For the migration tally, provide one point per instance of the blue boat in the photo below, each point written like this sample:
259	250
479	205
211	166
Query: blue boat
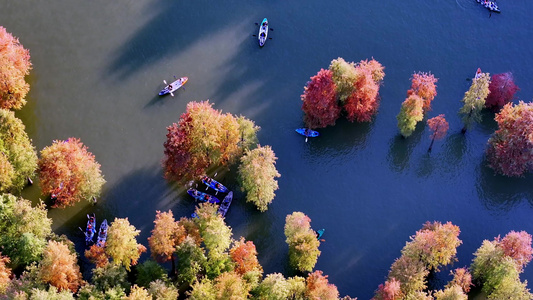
307	132
102	234
91	229
226	202
490	5
174	86
217	186
319	233
203	197
263	32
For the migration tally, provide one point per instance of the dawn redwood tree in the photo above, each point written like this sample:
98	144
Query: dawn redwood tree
230	285
202	290
138	293
5	273
247	133
257	174
502	90
411	112
320	105
96	255
302	241
122	244
344	75
190	229
474	100
59	267
14	66
18	158
517	245
69	173
163	291
191	262
163	240
510	149
273	287
411	273
318	287
390	290
423	85
438	127
244	255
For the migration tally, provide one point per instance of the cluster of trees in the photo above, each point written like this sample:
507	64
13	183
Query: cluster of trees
346	87
302	241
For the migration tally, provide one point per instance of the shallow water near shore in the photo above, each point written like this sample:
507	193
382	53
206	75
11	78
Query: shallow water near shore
98	65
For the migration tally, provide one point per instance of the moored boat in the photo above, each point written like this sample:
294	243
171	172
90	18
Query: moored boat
307	132
91	229
171	88
226	202
490	5
203	197
102	234
263	32
217	186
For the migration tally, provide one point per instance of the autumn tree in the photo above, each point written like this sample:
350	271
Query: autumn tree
390	290
411	112
302	241
204	137
474	100
59	267
502	90
23	229
438	127
149	271
162	291
424	86
214	231
248	133
411	273
320	105
18	159
138	293
230	285
273	287
163	240
244	254
5	273
69	173
96	255
257	174
110	279
318	287
517	245
122	245
191	262
202	290
510	149
14	66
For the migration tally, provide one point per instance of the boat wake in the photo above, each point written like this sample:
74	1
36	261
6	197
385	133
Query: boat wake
457	1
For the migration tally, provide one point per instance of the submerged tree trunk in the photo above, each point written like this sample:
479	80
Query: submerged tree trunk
431	145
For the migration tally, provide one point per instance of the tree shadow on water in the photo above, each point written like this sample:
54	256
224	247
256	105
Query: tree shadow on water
342	137
401	148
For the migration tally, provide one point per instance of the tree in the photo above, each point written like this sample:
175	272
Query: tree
59	267
302	241
438	126
363	102
23	229
202	290
423	85
162	291
230	285
412	112
257	174
390	290
344	75
318	287
273	287
474	100
121	243
461	278
248	133
502	90
69	173
204	137
14	66
5	273
149	271
138	293
163	240
18	159
97	256
110	278
214	231
411	273
510	150
320	105
517	245
191	261
297	287
244	254
453	292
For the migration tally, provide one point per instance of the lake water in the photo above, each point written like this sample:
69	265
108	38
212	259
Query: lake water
98	66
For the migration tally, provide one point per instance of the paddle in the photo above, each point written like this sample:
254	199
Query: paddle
83	231
306	139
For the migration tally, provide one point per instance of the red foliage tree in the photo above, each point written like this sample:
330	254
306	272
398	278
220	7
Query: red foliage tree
244	255
363	103
5	273
162	242
510	150
423	85
438	126
97	256
318	287
14	66
320	101
390	290
517	245
502	90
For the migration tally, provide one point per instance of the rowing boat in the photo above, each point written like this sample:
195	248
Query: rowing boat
102	234
319	233
226	202
203	197
217	186
91	229
490	5
307	132
263	32
174	86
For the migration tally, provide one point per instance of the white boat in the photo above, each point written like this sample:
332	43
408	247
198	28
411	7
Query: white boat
263	32
171	88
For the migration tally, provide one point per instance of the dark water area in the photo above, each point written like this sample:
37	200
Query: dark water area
98	65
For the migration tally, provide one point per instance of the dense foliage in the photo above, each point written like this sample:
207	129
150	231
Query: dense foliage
510	149
438	127
69	173
122	244
302	241
59	267
18	159
320	101
14	66
257	175
474	100
163	240
502	90
411	112
424	86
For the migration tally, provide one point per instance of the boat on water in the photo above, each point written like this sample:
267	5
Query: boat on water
217	186
478	73
102	234
203	197
307	132
490	5
263	32
91	229
226	202
319	233
174	86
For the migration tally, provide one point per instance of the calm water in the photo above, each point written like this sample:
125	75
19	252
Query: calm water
98	66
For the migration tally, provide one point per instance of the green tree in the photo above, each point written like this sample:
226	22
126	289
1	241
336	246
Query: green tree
149	271
214	231
343	75
138	293
163	291
248	133
202	290
411	112
273	287
257	174
302	241
122	245
18	159
14	66
69	173
191	261
51	294
59	267
297	287
112	278
474	100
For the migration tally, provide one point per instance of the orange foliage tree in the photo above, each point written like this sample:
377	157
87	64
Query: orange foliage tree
423	85
5	273
162	242
318	287
230	285
438	127
122	245
244	254
502	90
320	105
59	267
69	173
97	256
510	150
390	290
14	66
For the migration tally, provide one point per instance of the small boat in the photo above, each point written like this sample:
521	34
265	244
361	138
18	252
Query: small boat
490	5
91	229
478	73
226	202
217	186
171	88
102	234
203	197
307	132
319	233
263	32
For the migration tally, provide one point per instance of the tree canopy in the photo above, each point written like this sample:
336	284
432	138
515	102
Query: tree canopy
122	244
502	90
59	267
302	241
474	100
438	127
163	240
424	86
320	105
411	112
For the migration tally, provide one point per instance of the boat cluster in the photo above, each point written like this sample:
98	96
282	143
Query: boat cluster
490	5
90	231
218	188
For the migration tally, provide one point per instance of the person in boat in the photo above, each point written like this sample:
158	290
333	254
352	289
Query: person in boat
307	132
169	87
218	185
262	34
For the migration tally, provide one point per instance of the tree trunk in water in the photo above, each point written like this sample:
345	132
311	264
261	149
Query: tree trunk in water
431	145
